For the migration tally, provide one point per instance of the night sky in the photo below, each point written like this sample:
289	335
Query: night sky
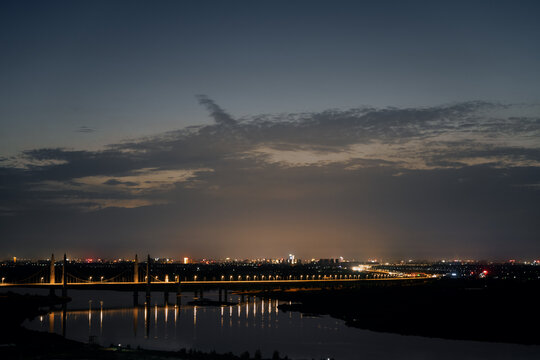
376	129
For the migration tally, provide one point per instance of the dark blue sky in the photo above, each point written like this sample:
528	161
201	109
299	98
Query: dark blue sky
83	84
129	68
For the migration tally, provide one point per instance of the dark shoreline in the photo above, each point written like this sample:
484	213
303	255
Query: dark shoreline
32	344
15	308
478	310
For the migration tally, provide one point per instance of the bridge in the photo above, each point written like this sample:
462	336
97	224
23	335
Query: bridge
176	284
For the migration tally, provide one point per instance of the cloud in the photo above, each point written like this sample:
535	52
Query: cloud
445	137
459	174
86	129
217	113
140	187
117	182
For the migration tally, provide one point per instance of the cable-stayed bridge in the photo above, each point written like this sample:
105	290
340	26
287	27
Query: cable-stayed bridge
140	278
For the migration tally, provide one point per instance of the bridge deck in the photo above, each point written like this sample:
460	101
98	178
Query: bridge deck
212	284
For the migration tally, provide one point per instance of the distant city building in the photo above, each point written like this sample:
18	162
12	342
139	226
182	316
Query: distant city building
291	259
329	261
361	267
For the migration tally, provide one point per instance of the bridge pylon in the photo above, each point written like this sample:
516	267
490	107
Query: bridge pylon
136	280
136	270
52	274
148	277
64	277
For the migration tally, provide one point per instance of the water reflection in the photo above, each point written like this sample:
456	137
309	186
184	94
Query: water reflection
89	317
64	318
135	320
157	326
254	324
146	320
101	318
51	322
155	322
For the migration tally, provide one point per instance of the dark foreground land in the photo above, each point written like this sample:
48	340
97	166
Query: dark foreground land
44	346
481	310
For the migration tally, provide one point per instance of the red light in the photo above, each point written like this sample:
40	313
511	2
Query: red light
485	272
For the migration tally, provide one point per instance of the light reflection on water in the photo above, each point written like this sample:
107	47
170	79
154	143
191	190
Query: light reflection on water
254	324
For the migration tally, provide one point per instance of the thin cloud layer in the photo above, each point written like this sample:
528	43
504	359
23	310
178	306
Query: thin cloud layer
86	129
445	137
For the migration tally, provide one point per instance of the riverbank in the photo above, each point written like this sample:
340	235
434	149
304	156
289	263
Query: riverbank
15	308
493	311
36	345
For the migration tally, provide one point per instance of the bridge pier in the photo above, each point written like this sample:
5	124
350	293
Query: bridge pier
148	296
178	294
219	295
135	298
136	270
64	316
166	297
64	277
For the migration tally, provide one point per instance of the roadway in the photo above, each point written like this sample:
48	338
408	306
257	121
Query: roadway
192	285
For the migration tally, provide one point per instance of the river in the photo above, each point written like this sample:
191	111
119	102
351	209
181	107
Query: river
108	317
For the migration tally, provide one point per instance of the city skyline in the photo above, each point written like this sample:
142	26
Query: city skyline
280	260
387	130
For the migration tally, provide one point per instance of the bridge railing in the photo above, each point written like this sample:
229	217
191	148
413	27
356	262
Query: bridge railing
127	275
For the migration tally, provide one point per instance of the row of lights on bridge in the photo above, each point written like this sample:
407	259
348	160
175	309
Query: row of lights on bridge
247	277
231	277
275	277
